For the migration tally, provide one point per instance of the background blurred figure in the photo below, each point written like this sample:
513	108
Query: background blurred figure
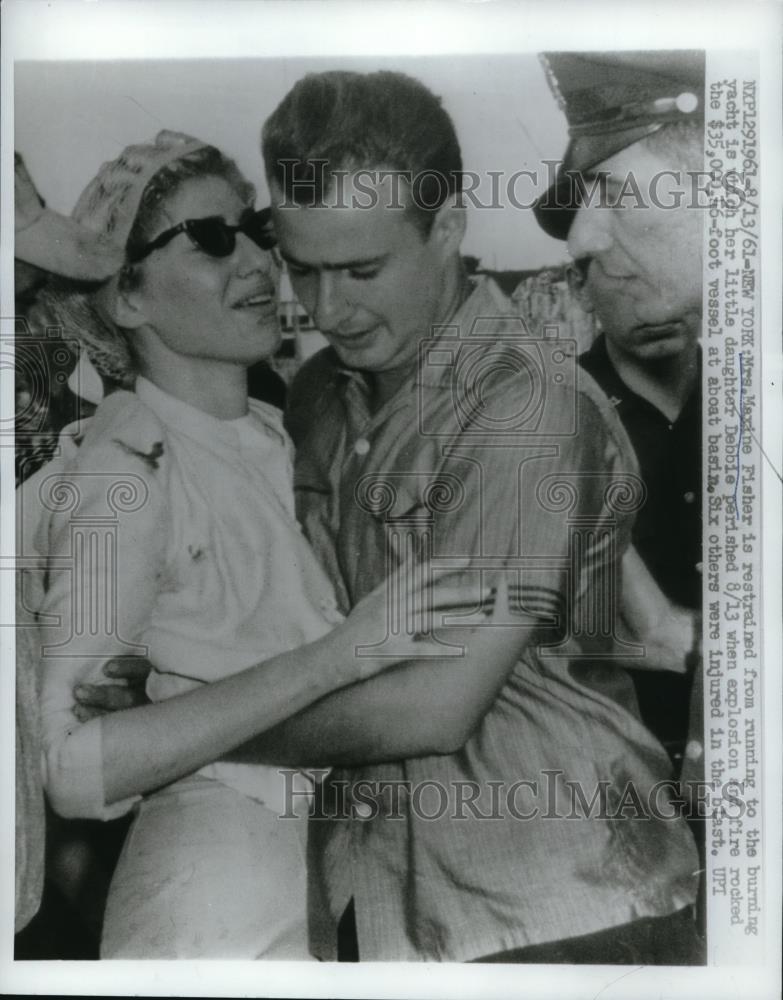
45	243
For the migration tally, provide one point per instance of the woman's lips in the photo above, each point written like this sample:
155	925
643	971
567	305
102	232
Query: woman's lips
259	297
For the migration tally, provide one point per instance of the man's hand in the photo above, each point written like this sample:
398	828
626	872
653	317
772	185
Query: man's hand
666	630
93	700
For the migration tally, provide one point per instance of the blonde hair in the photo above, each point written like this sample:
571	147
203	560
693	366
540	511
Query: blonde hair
76	311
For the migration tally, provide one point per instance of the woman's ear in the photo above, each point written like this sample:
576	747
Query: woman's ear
126	305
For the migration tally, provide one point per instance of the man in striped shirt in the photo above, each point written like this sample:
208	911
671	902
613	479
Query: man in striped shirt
504	804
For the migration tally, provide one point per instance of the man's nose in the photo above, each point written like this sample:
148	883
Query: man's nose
331	305
590	233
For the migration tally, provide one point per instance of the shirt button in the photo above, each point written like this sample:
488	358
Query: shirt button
694	750
689	497
362	446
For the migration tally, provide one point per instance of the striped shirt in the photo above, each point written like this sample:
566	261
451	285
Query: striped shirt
495	450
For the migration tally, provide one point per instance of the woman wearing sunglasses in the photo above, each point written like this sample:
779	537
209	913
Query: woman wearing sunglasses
201	566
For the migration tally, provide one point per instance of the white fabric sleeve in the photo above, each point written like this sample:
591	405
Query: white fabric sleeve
72	766
105	556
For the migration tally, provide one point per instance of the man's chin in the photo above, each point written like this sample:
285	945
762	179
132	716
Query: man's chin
661	340
370	358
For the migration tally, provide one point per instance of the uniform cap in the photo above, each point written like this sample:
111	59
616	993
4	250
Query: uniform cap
612	100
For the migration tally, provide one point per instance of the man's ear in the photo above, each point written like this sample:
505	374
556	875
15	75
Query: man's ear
577	286
448	227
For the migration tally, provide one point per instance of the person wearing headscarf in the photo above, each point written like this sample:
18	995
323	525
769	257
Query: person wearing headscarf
170	532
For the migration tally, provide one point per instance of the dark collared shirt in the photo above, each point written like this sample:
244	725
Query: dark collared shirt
668	528
458	885
667	532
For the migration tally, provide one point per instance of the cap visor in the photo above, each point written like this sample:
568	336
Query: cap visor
557	206
60	245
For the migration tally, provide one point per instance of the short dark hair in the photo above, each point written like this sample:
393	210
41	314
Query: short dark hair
339	120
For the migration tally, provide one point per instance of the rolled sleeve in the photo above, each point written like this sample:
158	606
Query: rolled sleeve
73	774
106	551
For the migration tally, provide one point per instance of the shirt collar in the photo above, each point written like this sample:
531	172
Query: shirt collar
596	362
181	416
481	315
486	301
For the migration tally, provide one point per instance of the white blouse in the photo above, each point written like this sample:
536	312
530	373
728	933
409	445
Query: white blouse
171	534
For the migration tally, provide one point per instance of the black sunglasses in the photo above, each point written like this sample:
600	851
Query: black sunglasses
212	235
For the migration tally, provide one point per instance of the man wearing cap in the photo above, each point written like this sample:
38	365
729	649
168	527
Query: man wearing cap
45	243
624	198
